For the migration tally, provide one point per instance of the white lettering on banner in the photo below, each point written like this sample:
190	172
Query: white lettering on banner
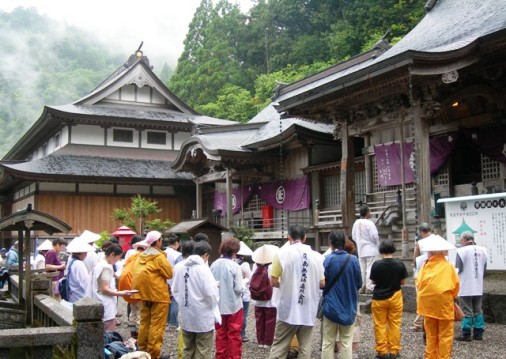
280	194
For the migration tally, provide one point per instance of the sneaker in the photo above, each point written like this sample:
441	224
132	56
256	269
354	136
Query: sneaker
245	340
393	356
478	337
416	328
464	338
382	356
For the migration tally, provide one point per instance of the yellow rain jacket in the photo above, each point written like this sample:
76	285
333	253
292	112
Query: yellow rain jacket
149	276
438	286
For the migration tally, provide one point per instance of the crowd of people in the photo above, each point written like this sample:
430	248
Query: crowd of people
172	286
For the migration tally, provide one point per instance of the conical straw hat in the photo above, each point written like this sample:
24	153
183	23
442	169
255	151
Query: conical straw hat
434	243
264	254
244	250
79	245
45	246
89	236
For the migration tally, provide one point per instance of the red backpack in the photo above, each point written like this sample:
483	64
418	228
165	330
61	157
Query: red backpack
260	285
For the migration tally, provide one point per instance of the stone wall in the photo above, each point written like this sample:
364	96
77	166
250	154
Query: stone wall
11	318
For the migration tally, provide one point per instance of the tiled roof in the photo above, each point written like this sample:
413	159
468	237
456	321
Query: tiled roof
137	113
66	163
276	128
452	25
449	25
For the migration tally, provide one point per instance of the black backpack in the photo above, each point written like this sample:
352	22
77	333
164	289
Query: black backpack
260	285
114	343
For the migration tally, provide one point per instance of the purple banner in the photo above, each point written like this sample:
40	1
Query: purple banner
440	149
290	195
240	197
388	164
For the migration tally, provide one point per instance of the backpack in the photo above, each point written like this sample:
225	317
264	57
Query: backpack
260	285
64	285
114	344
125	279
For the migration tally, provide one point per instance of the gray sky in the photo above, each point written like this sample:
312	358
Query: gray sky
161	24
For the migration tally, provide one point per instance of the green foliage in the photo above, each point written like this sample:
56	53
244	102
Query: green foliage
242	233
104	236
159	225
44	62
230	65
140	208
227	54
233	103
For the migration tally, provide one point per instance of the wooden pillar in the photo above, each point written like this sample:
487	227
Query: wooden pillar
198	199
28	273
422	165
347	180
315	194
368	166
230	216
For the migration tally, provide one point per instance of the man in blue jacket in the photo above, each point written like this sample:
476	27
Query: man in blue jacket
341	297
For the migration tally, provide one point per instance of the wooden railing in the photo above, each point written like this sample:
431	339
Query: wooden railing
55	330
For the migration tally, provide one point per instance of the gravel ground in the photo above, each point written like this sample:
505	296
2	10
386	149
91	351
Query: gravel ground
492	347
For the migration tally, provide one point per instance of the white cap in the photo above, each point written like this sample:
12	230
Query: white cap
142	244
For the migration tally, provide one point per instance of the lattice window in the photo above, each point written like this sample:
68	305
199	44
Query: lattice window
442	177
490	169
375	182
331	191
255	204
360	187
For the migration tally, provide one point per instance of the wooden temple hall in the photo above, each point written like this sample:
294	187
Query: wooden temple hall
396	127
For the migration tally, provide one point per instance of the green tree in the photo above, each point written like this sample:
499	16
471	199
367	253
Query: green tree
139	210
244	234
233	103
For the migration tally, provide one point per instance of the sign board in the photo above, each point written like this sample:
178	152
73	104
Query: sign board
484	216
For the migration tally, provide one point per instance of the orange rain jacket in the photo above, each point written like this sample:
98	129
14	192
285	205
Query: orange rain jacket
438	286
149	276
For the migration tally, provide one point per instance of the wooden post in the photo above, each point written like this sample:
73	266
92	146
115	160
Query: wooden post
367	166
28	273
422	165
229	192
198	199
347	180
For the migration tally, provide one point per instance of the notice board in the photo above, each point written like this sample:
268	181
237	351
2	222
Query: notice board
484	216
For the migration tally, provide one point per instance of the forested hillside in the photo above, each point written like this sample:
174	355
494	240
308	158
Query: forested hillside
231	61
44	63
229	67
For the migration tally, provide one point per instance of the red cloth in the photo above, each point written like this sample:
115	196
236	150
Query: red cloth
265	324
228	336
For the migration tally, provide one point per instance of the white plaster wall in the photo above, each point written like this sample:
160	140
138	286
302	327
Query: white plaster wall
167	190
87	135
57	187
96	188
179	138
127	189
